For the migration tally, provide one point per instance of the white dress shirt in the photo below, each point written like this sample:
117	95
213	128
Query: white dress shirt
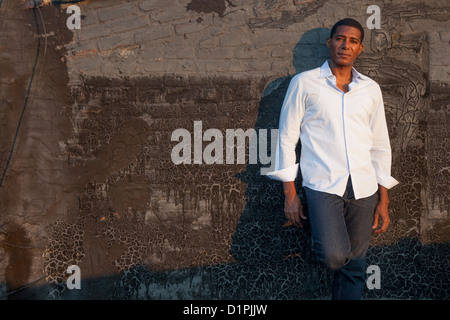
341	134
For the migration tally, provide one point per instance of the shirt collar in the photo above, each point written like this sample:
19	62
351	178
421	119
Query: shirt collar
325	71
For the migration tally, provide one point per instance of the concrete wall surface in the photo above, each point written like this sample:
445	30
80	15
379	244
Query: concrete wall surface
96	118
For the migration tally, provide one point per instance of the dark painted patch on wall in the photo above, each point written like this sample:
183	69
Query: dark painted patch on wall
209	6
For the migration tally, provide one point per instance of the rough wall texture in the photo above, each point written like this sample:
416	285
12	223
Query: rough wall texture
91	180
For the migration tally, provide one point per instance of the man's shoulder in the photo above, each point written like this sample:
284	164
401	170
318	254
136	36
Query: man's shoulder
367	83
307	75
368	79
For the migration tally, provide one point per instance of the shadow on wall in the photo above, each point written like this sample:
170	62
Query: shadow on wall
260	232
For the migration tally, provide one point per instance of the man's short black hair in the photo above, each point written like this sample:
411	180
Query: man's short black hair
349	22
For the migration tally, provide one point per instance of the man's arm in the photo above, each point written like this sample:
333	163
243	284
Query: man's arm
381	211
381	160
293	209
286	168
381	147
291	114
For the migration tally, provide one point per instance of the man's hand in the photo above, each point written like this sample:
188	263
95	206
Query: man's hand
293	209
381	212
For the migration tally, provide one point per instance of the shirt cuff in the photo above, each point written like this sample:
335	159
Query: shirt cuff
387	181
284	175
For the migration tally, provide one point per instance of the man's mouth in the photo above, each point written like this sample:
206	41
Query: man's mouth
343	55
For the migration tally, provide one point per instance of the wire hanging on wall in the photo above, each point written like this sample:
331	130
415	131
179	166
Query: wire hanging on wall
30	84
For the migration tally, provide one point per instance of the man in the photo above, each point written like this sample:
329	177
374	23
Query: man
338	115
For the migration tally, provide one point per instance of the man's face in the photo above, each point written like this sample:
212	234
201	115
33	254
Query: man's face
345	46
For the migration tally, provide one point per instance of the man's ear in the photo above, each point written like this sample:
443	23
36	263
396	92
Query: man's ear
329	43
360	49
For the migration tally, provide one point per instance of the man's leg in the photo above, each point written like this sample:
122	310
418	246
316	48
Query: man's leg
341	235
329	232
349	281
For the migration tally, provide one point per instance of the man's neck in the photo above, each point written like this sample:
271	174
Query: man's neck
342	73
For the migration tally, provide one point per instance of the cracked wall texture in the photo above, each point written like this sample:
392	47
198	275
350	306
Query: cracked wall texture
91	181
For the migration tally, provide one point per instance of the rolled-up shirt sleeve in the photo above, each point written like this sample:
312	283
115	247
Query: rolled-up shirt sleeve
292	110
381	149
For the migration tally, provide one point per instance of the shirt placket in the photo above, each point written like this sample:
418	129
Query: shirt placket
345	132
344	129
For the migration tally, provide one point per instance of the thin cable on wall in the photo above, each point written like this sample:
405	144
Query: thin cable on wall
1	21
29	86
23	111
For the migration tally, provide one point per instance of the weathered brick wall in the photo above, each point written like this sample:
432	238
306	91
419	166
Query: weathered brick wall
92	180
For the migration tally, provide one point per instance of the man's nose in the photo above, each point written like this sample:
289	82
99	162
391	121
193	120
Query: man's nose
345	44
